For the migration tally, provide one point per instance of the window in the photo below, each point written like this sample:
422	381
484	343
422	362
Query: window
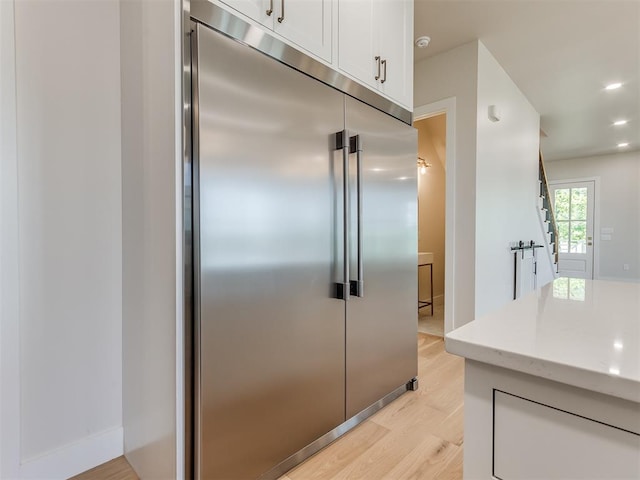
571	218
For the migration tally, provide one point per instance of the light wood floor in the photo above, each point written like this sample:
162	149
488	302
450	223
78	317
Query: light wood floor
416	437
118	469
432	324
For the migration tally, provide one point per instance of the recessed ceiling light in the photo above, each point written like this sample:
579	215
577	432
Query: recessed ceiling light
614	371
620	122
623	144
613	86
618	345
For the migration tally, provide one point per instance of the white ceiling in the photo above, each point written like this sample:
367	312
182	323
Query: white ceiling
561	54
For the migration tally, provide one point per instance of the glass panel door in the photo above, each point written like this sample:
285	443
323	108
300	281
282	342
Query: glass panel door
573	207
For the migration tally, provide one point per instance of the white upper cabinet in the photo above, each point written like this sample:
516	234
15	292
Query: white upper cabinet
375	45
254	9
358	41
307	23
395	28
374	38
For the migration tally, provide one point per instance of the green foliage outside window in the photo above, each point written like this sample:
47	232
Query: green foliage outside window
571	215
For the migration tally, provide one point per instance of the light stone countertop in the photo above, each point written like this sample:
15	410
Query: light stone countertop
584	333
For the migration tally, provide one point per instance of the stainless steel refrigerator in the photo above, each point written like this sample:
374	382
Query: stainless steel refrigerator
304	257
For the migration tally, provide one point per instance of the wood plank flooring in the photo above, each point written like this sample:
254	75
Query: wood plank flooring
117	469
417	437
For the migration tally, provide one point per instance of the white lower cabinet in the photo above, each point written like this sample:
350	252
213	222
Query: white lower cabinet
532	440
523	427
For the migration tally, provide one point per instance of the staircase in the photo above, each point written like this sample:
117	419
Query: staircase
547	216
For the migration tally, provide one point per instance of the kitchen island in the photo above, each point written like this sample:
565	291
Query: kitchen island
552	384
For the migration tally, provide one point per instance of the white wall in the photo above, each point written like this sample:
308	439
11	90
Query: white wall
68	199
151	116
506	182
447	75
617	206
494	170
9	308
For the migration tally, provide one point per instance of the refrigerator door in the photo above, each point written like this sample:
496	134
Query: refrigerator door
270	375
382	322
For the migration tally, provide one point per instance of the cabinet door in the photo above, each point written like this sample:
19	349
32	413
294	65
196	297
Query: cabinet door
532	440
395	29
357	40
254	9
307	23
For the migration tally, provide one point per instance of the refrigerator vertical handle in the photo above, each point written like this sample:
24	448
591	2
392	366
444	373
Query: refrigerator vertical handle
342	143
357	286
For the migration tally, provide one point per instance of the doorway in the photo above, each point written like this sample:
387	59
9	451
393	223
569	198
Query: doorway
432	152
573	204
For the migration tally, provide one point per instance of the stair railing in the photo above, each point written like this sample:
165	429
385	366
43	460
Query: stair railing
548	205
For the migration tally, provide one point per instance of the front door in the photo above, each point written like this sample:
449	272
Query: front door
573	207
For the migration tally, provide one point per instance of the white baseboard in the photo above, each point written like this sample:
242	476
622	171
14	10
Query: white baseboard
75	458
614	279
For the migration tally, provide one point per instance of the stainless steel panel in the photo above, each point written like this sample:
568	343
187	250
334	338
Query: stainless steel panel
382	325
187	253
271	337
215	17
333	435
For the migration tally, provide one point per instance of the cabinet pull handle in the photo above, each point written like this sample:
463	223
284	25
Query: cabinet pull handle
281	17
384	71
270	11
377	59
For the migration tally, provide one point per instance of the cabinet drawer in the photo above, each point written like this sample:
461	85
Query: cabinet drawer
535	441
